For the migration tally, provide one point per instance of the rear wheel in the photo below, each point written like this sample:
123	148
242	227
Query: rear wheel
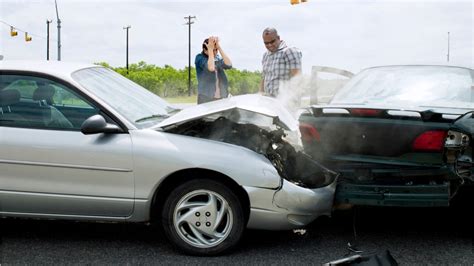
203	217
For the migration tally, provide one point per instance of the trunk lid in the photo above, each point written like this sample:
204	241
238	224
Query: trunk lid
375	134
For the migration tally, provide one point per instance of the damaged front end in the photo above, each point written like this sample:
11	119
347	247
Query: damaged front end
259	124
292	165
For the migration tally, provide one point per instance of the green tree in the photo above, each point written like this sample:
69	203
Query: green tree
167	81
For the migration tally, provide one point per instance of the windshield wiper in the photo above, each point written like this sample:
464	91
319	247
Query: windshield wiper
151	117
172	110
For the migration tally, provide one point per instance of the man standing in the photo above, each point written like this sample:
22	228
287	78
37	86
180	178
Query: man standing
212	81
280	63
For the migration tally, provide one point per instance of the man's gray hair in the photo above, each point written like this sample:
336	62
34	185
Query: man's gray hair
270	31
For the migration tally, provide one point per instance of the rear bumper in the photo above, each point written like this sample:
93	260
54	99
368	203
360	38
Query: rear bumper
393	195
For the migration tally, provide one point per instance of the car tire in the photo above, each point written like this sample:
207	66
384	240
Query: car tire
203	217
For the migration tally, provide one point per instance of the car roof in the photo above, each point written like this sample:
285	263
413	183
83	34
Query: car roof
55	68
408	66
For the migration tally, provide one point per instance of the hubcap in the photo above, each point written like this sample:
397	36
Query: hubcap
203	218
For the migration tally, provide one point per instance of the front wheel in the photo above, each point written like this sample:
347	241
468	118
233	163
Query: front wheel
203	217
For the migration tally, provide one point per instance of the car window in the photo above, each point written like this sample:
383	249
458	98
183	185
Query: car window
135	103
36	102
423	86
24	86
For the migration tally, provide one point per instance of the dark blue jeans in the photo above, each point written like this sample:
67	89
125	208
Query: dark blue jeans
205	99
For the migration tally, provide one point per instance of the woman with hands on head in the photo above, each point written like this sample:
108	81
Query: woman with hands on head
210	66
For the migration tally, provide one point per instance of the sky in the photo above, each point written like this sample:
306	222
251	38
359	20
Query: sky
350	35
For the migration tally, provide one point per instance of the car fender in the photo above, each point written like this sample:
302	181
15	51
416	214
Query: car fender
158	154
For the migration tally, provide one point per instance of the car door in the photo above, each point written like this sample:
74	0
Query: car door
47	166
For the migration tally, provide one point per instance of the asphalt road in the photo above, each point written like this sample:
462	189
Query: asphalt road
412	235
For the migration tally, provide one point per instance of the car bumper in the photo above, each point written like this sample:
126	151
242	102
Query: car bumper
429	195
289	207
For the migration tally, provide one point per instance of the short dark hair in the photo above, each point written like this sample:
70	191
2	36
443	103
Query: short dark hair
204	47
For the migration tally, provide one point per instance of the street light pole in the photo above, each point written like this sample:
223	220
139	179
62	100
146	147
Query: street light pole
189	22
127	28
448	47
59	31
47	38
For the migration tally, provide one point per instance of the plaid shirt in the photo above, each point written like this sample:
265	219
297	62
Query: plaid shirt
277	66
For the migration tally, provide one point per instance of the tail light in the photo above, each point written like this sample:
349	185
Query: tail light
430	141
365	112
309	133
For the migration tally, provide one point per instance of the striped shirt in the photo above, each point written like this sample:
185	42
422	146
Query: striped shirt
277	66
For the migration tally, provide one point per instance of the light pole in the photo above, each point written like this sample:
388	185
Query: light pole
189	22
47	38
448	47
59	31
127	28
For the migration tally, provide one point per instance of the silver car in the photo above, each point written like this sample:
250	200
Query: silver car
82	142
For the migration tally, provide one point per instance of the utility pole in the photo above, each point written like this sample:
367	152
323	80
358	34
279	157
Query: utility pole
126	60
59	31
189	22
47	38
448	47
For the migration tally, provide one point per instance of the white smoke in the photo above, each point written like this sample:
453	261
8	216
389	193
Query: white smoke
292	91
303	90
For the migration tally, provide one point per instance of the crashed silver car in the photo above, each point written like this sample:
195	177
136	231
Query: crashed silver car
82	142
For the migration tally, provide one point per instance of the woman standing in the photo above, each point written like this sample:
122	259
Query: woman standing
210	66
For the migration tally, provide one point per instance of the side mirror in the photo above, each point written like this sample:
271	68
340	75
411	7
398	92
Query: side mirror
97	124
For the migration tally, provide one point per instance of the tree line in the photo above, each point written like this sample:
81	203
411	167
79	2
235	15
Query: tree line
167	81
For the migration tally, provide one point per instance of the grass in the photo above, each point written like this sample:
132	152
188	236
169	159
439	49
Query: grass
182	99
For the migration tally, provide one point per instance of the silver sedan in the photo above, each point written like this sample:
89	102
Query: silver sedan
82	142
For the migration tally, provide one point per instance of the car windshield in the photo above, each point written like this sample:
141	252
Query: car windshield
419	86
135	103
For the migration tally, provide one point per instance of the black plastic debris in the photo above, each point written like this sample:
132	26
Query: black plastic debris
379	259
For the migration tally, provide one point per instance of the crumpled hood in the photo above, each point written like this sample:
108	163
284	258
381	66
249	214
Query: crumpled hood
254	109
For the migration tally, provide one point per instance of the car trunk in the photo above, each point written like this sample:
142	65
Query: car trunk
375	135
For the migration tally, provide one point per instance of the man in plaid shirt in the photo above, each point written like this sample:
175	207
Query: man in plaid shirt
280	63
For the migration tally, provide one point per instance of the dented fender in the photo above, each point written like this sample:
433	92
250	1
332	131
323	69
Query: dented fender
304	201
289	207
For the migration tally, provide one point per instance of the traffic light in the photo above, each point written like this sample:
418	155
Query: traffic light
13	32
27	38
295	2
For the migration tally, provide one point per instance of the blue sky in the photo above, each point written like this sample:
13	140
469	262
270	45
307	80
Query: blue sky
345	34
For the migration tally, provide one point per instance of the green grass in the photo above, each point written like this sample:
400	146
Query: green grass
182	99
72	102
